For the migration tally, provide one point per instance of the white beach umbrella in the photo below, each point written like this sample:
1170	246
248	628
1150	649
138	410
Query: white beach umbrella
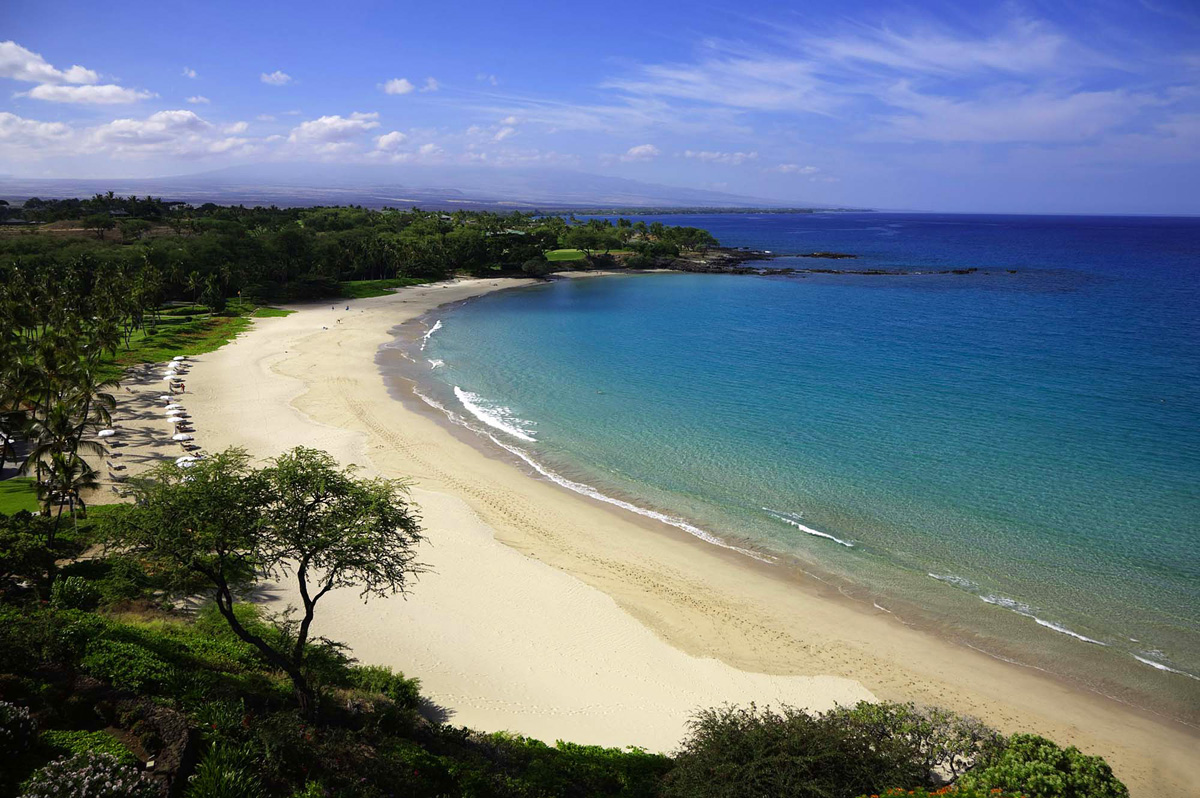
166	397
178	358
187	458
174	406
174	411
188	464
181	436
107	433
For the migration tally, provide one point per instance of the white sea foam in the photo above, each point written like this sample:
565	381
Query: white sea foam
1166	668
1024	609
794	520
1064	630
433	364
951	579
437	325
590	492
498	417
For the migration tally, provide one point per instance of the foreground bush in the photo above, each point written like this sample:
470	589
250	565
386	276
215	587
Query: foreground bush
89	775
735	752
1036	767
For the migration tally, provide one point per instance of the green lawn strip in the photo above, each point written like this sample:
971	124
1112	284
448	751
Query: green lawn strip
177	335
362	289
17	494
564	254
269	312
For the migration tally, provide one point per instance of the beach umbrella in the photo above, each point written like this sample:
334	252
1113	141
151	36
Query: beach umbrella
107	433
178	358
166	397
173	411
176	420
175	406
181	436
187	458
188	464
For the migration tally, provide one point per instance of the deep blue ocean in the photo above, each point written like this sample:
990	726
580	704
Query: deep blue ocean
1010	456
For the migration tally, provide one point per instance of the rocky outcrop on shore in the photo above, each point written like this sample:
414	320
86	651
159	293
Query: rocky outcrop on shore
725	260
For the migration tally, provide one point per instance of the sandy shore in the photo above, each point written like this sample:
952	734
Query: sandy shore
563	618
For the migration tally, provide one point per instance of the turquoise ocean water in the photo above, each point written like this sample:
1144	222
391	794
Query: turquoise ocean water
1012	459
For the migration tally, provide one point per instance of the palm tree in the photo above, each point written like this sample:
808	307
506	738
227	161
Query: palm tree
69	475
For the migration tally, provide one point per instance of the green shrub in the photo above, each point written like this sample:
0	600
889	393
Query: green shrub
70	743
380	679
537	267
128	666
733	752
1036	767
73	593
17	730
89	775
943	742
226	772
640	262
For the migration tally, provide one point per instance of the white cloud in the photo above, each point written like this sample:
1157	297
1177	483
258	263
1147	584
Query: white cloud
236	127
510	120
107	94
155	129
265	118
276	78
504	132
334	133
491	80
23	133
199	99
1022	46
730	158
1006	117
390	141
18	63
397	86
188	72
431	84
642	152
429	149
793	169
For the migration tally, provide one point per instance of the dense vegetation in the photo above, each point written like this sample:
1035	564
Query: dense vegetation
131	661
212	253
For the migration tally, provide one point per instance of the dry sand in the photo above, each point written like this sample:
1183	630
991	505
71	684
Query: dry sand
563	618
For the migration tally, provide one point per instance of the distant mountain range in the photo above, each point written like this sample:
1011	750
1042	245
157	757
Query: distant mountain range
483	188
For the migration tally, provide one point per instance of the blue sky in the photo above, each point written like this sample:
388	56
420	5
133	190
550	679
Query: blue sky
1037	106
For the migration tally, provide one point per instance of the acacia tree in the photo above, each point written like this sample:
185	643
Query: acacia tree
221	524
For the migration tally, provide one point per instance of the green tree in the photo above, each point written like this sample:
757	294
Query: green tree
1038	768
222	524
99	223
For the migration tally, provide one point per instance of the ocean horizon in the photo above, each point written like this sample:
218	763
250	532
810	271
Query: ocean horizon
1010	457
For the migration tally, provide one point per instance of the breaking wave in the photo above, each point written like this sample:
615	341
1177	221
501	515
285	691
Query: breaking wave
794	520
497	417
437	325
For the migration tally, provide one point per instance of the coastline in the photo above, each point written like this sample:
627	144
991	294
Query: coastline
672	623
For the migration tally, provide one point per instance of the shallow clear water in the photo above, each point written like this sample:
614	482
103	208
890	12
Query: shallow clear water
1030	439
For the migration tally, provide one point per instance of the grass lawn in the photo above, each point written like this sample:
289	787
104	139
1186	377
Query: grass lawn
179	331
362	289
17	494
564	254
269	313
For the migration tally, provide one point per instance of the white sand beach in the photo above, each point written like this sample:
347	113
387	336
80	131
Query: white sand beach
559	617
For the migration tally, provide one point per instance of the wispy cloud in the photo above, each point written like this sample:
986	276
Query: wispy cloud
199	99
276	78
105	94
188	72
713	156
